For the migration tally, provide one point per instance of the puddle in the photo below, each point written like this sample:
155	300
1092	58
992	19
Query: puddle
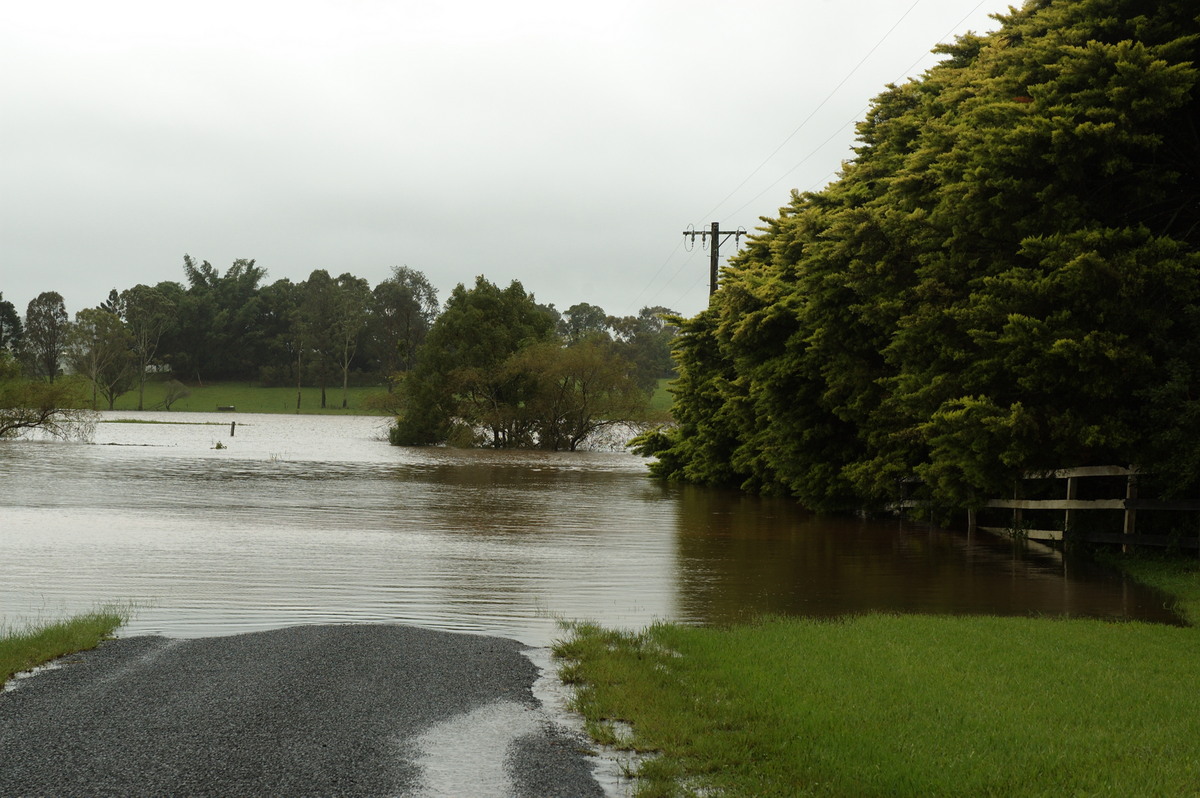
487	733
490	733
609	766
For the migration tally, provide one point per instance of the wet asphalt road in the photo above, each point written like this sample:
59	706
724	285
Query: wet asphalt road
305	711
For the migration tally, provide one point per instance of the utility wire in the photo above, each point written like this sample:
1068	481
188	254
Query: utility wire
853	120
654	277
949	33
813	113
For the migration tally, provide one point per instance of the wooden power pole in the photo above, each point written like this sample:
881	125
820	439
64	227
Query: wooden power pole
714	255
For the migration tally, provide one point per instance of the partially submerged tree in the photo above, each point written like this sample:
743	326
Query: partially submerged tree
28	405
574	391
493	362
458	374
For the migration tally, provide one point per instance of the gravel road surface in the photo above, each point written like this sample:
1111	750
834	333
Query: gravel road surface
357	710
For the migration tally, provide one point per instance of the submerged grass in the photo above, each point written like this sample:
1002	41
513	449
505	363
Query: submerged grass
37	644
898	706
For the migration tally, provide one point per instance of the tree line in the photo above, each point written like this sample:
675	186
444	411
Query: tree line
1005	279
331	332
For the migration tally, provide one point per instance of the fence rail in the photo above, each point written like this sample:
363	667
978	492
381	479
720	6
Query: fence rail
1070	505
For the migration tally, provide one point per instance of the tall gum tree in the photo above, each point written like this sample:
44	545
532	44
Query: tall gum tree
46	325
99	347
147	313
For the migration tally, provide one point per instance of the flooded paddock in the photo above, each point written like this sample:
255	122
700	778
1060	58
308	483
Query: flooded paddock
316	519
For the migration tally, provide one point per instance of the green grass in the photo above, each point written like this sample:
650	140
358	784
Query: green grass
22	649
661	399
250	398
899	706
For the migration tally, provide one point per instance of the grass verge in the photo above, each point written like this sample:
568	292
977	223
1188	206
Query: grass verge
897	705
38	644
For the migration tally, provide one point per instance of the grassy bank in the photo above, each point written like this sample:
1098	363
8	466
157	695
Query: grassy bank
38	644
250	398
901	705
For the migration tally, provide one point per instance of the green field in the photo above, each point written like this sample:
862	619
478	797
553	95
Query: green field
249	398
884	705
661	399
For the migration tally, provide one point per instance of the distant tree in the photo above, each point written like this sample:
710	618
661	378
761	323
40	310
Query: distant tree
148	314
404	307
11	329
115	304
646	339
34	405
218	321
316	314
582	322
353	299
46	325
98	347
281	322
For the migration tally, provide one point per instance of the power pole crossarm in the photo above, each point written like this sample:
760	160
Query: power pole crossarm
715	232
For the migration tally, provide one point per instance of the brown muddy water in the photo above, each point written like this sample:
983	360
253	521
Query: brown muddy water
304	519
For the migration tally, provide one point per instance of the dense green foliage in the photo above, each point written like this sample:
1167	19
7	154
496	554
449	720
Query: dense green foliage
492	360
498	368
56	408
883	705
1004	279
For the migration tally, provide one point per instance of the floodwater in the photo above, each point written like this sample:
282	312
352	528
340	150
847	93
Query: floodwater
316	519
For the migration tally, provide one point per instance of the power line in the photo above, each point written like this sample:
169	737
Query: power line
948	34
813	113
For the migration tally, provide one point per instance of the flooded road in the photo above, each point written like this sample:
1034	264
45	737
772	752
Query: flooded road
315	519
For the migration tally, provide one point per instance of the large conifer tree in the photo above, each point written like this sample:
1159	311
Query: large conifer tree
1005	278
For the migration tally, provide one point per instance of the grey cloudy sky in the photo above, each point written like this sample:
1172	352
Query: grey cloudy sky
563	144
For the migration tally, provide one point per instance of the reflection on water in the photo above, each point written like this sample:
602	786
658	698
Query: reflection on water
315	519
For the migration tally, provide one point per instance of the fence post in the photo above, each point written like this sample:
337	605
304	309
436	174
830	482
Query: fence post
1130	513
1017	516
1069	515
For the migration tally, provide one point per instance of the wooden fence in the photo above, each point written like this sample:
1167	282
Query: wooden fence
1070	507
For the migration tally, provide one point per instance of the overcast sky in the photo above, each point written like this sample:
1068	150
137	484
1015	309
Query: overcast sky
563	144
